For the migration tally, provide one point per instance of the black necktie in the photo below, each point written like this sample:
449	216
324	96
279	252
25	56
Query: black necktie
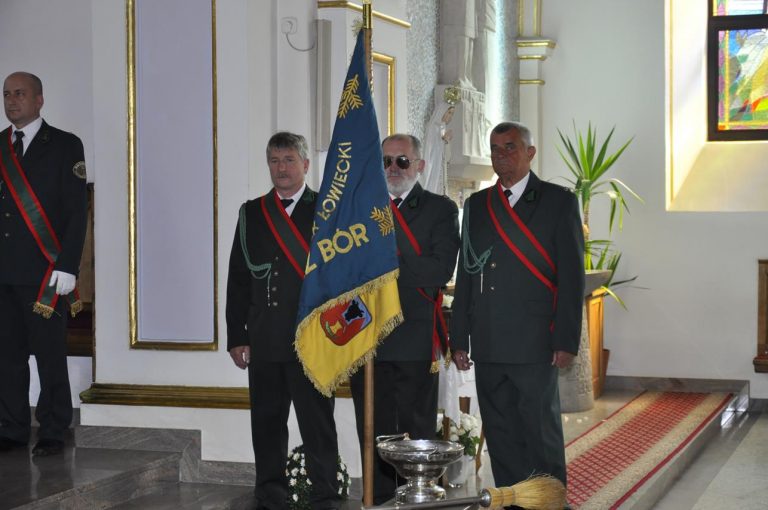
286	202
397	201
507	193
18	145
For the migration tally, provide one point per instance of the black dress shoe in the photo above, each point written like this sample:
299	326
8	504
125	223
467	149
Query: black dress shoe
9	444
46	447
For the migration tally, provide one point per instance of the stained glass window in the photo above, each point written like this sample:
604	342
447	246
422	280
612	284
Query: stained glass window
738	7
738	70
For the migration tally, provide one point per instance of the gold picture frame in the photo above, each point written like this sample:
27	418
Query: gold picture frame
135	341
385	64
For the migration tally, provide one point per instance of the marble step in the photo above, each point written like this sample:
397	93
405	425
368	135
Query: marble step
654	489
175	495
104	478
660	483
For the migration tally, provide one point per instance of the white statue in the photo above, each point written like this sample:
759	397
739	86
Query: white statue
437	149
457	35
486	28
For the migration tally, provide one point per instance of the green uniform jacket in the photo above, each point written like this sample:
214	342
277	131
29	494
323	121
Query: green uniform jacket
504	311
433	220
53	164
261	312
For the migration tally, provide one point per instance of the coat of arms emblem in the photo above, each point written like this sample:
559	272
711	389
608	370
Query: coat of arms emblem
345	320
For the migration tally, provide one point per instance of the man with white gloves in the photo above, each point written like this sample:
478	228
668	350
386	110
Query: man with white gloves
43	211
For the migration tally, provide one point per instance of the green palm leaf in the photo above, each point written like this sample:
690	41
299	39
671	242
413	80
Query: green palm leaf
589	160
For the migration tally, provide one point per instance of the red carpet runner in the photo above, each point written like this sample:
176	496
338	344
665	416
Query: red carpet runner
611	461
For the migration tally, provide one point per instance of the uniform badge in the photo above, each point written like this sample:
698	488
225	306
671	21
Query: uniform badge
79	169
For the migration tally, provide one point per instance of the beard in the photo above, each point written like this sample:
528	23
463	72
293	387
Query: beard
397	189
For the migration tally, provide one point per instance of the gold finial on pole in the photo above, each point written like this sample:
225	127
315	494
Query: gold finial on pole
367	31
367	13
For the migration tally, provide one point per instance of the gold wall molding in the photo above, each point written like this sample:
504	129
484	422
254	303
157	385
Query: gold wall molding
536	43
389	62
340	4
176	396
670	192
135	342
535	20
166	396
531	82
532	57
130	30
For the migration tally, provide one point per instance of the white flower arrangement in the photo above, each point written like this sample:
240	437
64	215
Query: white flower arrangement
466	433
299	483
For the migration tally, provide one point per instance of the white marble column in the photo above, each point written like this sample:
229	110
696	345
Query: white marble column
532	52
576	392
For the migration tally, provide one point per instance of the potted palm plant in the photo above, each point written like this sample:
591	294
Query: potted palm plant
589	162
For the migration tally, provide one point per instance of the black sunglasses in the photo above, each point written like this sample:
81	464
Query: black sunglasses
401	161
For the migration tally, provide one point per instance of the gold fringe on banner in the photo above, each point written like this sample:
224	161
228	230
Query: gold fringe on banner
386	328
328	390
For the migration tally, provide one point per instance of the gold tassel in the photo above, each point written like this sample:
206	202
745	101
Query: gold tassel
44	310
448	357
75	308
434	368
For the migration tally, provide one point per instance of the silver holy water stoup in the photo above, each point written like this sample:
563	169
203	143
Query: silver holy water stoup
421	462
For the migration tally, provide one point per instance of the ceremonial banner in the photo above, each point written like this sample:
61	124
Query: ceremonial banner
349	300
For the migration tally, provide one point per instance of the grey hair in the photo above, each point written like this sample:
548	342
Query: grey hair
521	128
287	140
415	142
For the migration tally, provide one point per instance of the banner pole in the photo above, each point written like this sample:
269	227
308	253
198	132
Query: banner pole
368	454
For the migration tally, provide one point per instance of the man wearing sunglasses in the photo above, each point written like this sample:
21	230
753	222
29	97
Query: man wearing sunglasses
518	301
405	384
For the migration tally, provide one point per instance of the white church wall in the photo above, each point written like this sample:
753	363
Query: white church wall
40	40
692	311
262	86
116	361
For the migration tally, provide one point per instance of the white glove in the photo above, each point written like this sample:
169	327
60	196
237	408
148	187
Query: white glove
64	282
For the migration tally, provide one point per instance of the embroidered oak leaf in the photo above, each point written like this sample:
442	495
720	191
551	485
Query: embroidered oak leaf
384	218
349	98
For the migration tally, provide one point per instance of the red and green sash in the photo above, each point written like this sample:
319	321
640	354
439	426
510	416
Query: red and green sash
520	240
39	226
285	232
440	341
